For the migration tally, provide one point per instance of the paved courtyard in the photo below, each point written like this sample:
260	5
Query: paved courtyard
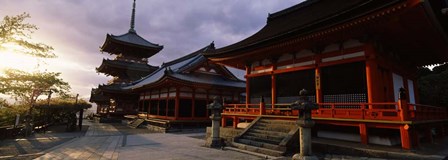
105	141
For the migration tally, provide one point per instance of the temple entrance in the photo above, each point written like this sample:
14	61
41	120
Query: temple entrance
344	83
289	84
260	87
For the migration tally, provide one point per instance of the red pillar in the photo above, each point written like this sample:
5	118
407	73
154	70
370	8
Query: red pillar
176	107
319	98
363	133
223	122
247	86
192	102
371	75
404	108
235	121
262	107
405	137
273	92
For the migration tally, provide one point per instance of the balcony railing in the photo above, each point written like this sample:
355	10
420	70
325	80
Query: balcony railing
390	111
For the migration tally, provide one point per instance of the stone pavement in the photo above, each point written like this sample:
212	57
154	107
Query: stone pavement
105	141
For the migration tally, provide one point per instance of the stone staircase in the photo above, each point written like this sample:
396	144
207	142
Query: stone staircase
268	136
137	122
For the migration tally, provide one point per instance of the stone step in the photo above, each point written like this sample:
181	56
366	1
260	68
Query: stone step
250	148
264	139
265	132
273	125
272	121
261	144
136	123
265	136
273	128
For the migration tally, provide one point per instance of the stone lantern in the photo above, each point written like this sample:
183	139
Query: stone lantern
216	108
305	124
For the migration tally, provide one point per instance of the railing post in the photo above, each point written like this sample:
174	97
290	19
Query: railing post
403	105
262	106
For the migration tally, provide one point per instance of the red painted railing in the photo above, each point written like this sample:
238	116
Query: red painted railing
390	111
425	112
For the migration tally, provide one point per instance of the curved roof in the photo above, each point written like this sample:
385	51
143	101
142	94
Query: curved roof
175	69
130	43
305	17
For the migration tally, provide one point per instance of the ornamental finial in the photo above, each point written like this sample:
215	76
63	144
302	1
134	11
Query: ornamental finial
133	19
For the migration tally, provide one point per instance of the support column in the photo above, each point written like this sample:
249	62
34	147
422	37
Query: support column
235	122
223	122
273	91
405	137
403	105
247	86
371	75
177	103
262	106
363	133
193	102
319	97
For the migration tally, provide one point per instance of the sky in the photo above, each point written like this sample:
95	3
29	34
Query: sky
77	28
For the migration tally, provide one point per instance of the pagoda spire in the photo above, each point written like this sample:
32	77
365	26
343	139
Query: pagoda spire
132	30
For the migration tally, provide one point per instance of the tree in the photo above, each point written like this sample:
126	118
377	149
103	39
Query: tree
433	86
27	87
14	31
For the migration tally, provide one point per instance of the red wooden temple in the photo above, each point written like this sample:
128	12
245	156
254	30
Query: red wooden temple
353	57
177	94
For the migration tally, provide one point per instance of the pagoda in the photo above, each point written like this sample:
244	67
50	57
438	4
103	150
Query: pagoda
131	53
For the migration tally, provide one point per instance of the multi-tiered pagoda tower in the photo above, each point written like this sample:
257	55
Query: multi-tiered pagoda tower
131	53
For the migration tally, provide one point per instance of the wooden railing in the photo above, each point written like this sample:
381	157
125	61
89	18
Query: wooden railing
390	111
425	112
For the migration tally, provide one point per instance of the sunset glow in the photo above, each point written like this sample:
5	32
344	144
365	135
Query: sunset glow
11	57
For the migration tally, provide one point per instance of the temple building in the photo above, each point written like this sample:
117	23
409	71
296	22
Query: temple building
131	53
177	94
354	58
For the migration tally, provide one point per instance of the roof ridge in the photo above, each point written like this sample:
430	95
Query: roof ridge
290	9
189	55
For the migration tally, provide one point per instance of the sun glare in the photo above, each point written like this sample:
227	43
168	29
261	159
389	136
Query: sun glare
10	57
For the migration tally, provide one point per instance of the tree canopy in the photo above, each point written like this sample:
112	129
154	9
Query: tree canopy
14	31
27	87
433	86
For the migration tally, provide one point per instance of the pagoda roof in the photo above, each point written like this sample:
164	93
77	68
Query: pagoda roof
312	16
96	96
130	43
124	65
178	69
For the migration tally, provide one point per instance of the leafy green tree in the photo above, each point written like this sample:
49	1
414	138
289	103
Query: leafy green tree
14	31
433	86
26	87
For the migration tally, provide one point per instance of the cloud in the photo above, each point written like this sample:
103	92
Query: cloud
76	29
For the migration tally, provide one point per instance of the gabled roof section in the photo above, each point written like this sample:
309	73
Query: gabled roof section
304	18
179	69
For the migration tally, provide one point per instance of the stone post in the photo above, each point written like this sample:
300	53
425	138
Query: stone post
214	141
305	124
